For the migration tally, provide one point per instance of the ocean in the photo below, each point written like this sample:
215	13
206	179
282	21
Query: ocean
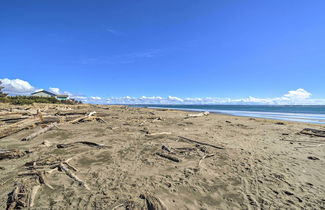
298	113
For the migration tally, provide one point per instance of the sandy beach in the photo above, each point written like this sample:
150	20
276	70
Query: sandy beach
119	157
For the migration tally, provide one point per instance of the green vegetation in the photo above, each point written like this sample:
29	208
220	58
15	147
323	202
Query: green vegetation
21	100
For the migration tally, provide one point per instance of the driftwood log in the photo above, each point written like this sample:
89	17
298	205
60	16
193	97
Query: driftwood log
158	134
11	154
313	132
16	127
41	131
169	157
33	195
88	143
12	118
198	142
71	112
198	114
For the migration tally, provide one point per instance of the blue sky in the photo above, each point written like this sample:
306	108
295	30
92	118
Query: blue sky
184	48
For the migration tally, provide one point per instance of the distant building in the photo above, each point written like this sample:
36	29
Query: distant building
62	97
44	93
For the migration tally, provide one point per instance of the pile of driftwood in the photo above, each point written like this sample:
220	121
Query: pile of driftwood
18	198
14	122
23	196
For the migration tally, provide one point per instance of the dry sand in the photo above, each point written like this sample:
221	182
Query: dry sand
265	164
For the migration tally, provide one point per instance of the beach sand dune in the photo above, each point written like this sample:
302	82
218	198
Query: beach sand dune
137	158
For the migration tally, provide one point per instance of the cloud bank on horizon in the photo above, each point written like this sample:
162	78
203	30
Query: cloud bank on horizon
294	97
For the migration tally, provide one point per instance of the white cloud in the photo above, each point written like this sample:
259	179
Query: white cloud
173	98
297	94
55	90
293	97
16	86
95	98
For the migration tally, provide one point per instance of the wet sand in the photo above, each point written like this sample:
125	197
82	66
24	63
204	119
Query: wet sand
125	155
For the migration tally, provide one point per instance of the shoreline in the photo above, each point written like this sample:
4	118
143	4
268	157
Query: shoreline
285	116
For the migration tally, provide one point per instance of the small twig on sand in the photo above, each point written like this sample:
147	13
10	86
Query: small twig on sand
167	148
204	157
202	143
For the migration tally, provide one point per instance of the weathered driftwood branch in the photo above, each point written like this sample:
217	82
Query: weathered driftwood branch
158	134
70	166
88	143
73	176
153	203
198	114
92	113
71	112
41	179
90	117
33	195
302	141
169	157
313	132
204	157
41	131
198	142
